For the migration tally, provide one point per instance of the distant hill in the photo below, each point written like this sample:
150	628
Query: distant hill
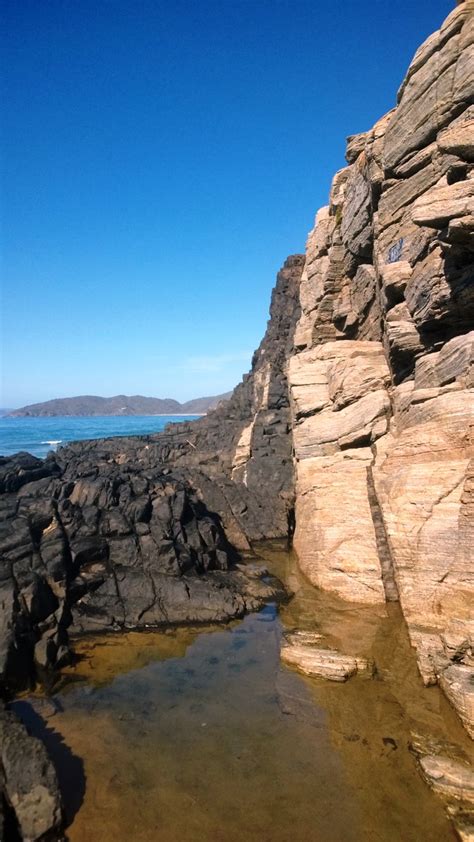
118	405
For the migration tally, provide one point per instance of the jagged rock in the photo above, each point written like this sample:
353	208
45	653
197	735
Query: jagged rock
438	206
434	91
457	139
356	230
394	277
354	426
355	145
460	233
380	509
110	544
454	362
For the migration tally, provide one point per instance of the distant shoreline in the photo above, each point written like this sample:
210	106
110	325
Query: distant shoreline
115	415
117	406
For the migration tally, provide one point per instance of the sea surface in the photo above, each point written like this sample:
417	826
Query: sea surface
40	435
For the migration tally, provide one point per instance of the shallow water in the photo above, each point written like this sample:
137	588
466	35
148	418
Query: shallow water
201	735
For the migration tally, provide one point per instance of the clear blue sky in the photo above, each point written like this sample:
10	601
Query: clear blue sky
160	160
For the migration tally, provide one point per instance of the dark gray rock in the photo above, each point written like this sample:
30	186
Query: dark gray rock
31	798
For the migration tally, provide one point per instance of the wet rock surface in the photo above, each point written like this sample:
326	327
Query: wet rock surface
100	546
301	650
355	425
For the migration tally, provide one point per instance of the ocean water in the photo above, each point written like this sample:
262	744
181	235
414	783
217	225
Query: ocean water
40	435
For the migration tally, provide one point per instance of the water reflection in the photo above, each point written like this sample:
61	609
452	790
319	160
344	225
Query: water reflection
203	736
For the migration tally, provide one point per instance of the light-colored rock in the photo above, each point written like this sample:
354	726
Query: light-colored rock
426	374
455	361
448	777
401	195
403	339
301	652
348	382
420	475
394	278
335	538
383	455
434	87
355	145
360	422
243	449
458	139
457	682
438	206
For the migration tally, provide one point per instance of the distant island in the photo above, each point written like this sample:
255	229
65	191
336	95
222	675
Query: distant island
85	405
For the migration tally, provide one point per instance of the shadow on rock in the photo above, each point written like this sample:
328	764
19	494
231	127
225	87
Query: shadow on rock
69	768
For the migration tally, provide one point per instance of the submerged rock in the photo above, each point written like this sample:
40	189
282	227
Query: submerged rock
301	650
448	777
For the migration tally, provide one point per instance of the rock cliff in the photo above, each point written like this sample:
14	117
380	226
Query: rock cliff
353	430
382	371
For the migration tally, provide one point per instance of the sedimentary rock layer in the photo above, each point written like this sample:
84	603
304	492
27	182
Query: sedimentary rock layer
355	423
381	380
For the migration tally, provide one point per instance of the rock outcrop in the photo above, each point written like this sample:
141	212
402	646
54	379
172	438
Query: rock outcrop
381	380
238	458
97	546
354	430
141	532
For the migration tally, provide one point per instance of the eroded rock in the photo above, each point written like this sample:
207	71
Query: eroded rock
301	651
448	777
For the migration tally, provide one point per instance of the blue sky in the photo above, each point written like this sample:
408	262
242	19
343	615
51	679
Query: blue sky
160	160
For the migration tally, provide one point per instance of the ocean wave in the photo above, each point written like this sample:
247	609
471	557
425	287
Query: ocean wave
54	441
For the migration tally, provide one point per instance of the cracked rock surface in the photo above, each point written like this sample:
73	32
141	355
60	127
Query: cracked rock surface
353	429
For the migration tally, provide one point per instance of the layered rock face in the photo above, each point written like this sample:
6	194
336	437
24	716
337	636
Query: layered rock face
381	380
355	423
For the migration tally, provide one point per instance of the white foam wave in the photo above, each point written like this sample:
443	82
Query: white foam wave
54	441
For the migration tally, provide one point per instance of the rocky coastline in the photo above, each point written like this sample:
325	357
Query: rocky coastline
352	436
